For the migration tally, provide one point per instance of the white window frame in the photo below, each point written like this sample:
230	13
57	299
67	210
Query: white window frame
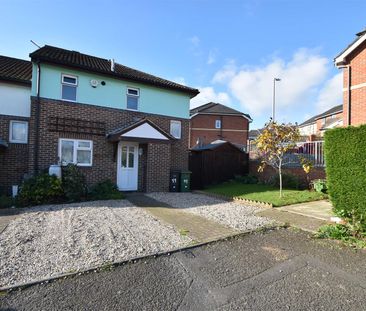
69	84
75	151
218	124
15	141
133	95
180	128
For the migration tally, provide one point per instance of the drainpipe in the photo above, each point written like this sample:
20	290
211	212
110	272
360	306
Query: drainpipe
37	120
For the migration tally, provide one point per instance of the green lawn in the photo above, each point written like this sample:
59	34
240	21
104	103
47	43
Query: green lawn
265	193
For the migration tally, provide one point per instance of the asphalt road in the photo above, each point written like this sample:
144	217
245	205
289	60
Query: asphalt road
277	270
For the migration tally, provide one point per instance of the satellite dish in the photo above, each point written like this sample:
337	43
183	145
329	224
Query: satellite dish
94	83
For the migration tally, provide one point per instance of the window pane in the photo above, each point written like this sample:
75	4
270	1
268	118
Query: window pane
132	102
133	92
69	92
19	131
67	151
124	156
83	157
84	144
131	157
175	129
69	80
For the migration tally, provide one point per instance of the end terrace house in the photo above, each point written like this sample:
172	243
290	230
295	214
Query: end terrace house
113	121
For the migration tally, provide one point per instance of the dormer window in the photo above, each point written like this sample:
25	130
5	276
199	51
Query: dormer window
133	98
69	85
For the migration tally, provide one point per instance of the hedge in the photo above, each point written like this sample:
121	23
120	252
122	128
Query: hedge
345	157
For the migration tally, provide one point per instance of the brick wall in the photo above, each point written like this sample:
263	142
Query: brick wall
269	172
13	159
156	174
357	60
233	129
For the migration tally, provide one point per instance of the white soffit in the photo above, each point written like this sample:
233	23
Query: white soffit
145	130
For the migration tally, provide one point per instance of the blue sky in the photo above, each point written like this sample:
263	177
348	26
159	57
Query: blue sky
231	50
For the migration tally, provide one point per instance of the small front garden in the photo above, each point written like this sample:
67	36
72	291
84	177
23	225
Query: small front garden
265	193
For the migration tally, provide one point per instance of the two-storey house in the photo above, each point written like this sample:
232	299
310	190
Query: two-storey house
15	89
113	121
215	122
353	62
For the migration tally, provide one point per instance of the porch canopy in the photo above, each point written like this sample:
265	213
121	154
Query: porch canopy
142	131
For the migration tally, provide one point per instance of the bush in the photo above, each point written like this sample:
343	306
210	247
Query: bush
40	189
74	183
346	170
105	190
320	185
289	181
6	201
247	179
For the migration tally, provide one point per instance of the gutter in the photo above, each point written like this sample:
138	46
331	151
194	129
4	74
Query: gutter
37	121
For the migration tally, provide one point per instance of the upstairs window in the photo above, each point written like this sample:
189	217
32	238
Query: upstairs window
133	98
176	129
74	151
218	124
18	132
69	85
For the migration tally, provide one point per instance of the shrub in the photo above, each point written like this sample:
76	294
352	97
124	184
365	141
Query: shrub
6	201
346	169
320	185
40	189
289	181
247	179
105	190
74	183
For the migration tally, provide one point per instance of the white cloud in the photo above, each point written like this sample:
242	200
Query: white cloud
195	41
211	57
253	87
331	93
208	94
179	80
226	73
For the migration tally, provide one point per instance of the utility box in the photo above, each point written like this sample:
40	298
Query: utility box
174	181
185	181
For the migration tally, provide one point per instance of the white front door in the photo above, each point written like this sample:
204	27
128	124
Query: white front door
127	166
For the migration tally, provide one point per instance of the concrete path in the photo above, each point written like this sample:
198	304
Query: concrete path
308	216
198	228
276	270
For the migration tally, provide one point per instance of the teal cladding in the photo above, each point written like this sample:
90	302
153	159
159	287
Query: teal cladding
113	94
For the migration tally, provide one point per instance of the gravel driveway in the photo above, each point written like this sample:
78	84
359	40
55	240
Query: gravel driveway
49	240
234	215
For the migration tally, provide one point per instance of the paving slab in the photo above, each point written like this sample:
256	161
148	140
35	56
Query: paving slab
200	229
317	209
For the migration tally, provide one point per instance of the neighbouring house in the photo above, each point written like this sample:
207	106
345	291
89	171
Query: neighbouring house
113	121
353	62
316	125
214	122
15	90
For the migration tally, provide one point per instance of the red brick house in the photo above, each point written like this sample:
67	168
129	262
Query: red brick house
318	124
353	62
15	90
113	121
215	122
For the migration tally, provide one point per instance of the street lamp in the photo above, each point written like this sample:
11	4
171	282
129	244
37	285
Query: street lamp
274	97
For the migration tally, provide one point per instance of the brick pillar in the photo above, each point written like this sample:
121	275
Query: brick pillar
158	167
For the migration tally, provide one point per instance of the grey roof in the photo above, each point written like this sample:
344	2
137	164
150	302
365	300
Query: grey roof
358	36
216	108
331	111
78	60
213	146
254	133
15	70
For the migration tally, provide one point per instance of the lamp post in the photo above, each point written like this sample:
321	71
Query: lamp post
274	98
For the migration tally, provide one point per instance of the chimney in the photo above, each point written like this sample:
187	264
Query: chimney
112	64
